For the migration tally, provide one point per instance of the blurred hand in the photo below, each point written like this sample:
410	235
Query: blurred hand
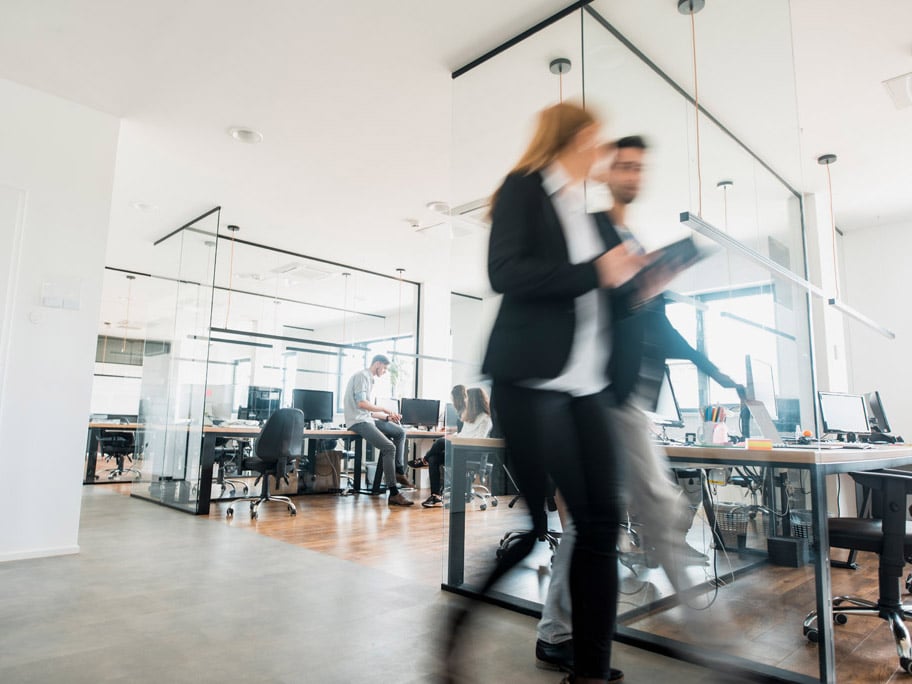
395	418
616	266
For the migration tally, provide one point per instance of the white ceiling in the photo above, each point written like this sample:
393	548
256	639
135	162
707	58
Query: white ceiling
356	103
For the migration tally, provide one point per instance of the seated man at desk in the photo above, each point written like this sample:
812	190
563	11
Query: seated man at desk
378	426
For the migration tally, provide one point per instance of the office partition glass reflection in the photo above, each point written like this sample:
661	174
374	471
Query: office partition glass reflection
735	307
309	323
174	381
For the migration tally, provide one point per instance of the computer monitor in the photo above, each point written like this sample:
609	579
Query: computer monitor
760	384
315	404
667	412
876	416
451	416
262	402
420	412
843	413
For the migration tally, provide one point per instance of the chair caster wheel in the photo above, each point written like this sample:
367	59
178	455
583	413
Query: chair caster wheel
494	502
906	664
811	635
253	515
292	511
483	507
840	618
246	490
253	508
230	512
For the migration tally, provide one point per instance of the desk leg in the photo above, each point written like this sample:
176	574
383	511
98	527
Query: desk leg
456	536
91	456
207	459
822	585
356	474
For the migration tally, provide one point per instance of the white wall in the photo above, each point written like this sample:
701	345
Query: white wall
877	282
57	168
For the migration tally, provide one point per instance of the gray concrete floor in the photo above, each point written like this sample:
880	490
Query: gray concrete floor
159	596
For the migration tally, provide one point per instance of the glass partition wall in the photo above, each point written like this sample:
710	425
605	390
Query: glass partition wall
632	64
238	328
173	391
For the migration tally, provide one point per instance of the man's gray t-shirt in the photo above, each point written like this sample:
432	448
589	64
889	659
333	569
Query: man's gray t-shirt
359	388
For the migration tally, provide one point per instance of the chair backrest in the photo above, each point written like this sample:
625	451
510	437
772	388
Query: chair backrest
282	437
113	441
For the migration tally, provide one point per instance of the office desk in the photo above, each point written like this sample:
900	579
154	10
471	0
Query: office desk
95	430
211	432
817	463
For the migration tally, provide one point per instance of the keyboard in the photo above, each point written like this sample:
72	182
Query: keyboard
825	446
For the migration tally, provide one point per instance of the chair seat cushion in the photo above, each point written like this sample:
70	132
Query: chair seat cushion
256	464
864	534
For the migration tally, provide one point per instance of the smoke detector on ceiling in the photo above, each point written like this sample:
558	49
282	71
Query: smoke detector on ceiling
900	89
245	135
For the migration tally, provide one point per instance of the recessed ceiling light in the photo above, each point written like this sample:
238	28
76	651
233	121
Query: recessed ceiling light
143	206
245	135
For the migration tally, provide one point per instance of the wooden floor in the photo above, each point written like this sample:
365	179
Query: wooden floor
764	609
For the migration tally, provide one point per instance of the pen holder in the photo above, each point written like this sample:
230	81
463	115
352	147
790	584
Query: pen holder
713	433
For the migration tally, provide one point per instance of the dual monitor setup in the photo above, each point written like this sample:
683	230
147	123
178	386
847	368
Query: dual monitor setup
849	416
318	407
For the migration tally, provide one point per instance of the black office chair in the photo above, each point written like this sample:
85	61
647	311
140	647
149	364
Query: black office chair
891	538
279	443
481	468
117	446
511	537
229	454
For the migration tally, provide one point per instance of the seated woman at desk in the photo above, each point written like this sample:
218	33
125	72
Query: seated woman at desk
453	419
476	422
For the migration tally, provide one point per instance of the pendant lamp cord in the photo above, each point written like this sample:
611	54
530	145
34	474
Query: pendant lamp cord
693	40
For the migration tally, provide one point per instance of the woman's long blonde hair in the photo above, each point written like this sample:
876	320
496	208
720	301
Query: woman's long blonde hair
557	126
476	405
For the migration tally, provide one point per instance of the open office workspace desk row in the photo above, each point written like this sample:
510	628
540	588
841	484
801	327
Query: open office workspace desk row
208	454
818	464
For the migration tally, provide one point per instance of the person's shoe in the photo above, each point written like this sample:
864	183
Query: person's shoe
432	501
554	656
404	482
398	500
560	657
613	676
417	463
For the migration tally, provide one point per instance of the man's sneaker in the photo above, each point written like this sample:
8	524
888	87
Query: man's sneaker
398	500
432	501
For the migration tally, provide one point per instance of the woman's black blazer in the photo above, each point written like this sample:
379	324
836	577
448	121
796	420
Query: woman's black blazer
528	263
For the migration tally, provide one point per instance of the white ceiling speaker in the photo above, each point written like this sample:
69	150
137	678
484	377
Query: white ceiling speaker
900	89
245	135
